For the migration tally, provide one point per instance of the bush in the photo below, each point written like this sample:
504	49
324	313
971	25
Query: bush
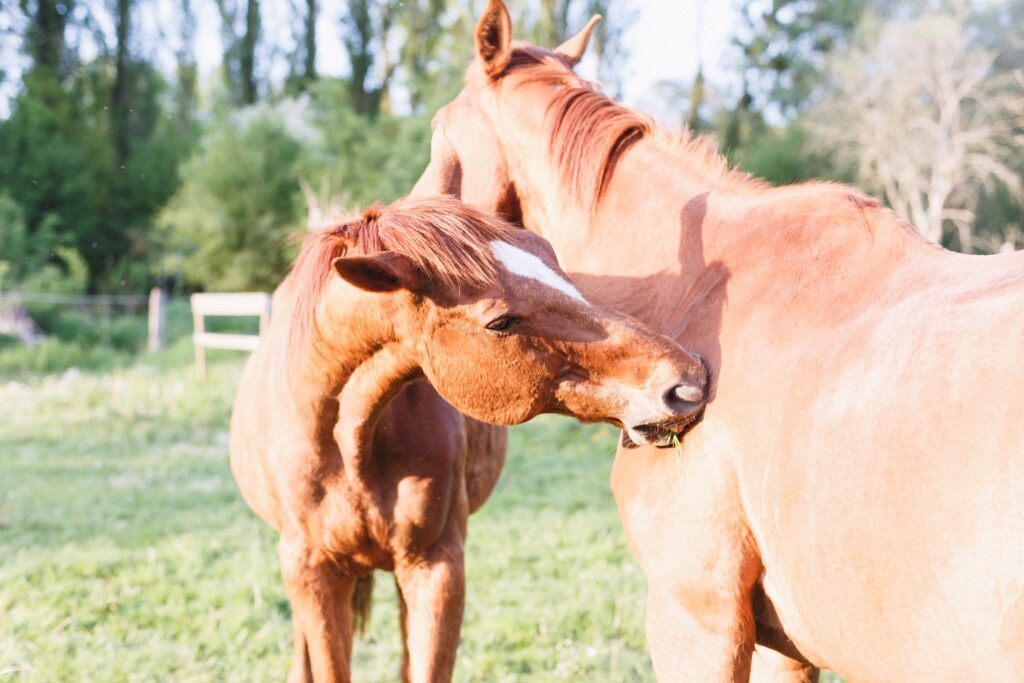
68	276
53	355
14	242
228	225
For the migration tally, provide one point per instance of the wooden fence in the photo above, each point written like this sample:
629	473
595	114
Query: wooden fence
13	319
248	304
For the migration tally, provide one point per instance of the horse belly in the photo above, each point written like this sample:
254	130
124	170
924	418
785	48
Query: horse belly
486	446
247	444
891	518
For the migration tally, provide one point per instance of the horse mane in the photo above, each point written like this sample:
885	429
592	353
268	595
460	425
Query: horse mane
444	238
590	132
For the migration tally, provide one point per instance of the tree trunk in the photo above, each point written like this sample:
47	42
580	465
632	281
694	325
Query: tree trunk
187	73
696	101
46	35
358	39
247	58
309	66
119	108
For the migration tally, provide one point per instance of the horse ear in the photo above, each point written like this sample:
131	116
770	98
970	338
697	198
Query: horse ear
574	48
494	38
384	271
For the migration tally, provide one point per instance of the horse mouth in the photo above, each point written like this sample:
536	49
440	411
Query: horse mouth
661	434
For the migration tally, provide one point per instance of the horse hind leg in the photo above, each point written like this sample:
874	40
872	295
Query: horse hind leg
300	671
776	659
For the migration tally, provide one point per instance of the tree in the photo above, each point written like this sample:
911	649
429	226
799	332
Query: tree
186	73
120	100
303	67
227	227
241	35
45	37
784	46
920	115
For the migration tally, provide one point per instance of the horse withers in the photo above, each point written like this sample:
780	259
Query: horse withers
854	496
339	444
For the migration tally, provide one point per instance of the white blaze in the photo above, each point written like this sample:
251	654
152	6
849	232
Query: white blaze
527	265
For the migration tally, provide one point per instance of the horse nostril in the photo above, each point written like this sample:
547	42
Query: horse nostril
684	398
688	392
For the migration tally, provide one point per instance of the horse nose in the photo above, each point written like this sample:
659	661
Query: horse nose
687	395
684	399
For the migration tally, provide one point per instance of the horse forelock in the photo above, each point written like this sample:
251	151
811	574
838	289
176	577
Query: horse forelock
446	239
590	132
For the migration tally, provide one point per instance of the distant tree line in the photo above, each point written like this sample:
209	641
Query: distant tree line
121	165
918	101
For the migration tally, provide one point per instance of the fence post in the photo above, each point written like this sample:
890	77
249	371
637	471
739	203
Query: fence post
157	318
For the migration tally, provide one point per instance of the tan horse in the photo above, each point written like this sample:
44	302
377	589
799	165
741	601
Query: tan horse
854	497
359	466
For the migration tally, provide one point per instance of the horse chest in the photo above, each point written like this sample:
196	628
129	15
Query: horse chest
394	511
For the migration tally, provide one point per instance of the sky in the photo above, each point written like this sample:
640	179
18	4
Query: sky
667	41
670	38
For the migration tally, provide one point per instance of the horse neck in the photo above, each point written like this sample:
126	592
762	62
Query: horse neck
652	233
671	230
342	375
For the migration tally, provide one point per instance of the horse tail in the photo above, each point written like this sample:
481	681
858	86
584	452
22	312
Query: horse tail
362	601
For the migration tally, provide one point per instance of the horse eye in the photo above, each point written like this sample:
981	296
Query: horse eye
503	323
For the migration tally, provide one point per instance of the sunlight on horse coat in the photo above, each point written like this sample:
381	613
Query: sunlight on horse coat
854	497
360	465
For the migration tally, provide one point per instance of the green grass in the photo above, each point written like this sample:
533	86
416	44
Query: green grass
129	555
93	341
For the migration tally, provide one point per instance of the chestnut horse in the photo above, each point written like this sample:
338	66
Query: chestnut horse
854	496
359	466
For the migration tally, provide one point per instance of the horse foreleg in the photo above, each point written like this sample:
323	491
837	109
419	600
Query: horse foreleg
403	621
300	671
770	666
686	529
321	599
713	644
433	591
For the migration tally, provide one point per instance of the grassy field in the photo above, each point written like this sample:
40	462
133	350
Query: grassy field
128	554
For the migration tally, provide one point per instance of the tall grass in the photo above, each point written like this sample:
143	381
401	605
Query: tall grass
129	555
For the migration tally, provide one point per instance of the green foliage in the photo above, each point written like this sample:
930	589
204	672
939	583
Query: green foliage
45	168
50	356
783	156
97	340
227	228
366	160
58	159
15	248
66	274
783	44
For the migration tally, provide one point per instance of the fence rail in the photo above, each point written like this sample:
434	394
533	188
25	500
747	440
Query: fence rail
246	304
14	319
130	300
